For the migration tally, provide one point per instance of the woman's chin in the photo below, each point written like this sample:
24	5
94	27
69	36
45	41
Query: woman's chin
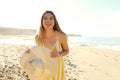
49	26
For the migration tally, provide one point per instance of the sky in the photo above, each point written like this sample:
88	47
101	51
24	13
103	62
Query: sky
84	17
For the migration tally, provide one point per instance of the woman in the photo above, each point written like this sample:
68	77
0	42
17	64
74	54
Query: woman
51	36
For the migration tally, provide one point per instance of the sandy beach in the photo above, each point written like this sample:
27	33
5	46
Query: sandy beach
82	63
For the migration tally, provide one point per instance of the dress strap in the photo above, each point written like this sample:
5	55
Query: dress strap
43	43
57	43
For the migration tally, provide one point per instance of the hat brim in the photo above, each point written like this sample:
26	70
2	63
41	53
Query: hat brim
39	61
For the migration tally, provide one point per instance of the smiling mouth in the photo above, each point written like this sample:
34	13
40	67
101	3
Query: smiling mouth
48	24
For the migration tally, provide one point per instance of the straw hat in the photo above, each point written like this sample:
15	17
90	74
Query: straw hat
38	63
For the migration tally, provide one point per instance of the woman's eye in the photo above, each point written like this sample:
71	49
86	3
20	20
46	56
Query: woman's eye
51	18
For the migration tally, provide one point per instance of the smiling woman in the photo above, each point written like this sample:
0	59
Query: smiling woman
51	36
48	20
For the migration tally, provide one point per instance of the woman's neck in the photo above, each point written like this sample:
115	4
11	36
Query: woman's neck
49	33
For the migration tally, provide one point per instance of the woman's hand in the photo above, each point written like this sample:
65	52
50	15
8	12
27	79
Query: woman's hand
55	54
27	51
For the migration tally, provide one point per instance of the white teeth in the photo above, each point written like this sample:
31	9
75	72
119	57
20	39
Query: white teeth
48	24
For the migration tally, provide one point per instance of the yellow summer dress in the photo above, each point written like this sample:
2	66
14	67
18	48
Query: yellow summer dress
61	71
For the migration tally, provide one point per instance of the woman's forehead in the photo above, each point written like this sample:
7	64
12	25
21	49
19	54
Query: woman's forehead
48	14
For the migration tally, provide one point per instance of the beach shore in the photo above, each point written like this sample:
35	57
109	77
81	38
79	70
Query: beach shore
95	63
82	63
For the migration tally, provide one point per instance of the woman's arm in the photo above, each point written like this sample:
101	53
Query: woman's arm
64	44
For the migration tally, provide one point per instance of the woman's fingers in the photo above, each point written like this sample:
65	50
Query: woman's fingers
54	54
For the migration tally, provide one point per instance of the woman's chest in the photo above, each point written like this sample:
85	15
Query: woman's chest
50	42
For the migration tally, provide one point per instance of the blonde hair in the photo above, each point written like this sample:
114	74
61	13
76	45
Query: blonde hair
40	34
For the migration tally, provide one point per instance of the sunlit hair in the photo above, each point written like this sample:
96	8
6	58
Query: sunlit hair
41	31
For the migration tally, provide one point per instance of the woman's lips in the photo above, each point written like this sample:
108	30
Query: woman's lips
48	24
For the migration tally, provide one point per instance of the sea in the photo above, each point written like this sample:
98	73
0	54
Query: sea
100	42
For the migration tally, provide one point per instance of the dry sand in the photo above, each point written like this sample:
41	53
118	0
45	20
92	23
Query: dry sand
82	63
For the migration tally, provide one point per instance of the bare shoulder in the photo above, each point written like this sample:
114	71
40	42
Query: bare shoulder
62	36
38	40
63	41
36	37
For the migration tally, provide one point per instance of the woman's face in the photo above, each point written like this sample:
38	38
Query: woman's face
48	20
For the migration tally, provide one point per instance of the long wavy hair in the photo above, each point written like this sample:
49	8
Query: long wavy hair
41	31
